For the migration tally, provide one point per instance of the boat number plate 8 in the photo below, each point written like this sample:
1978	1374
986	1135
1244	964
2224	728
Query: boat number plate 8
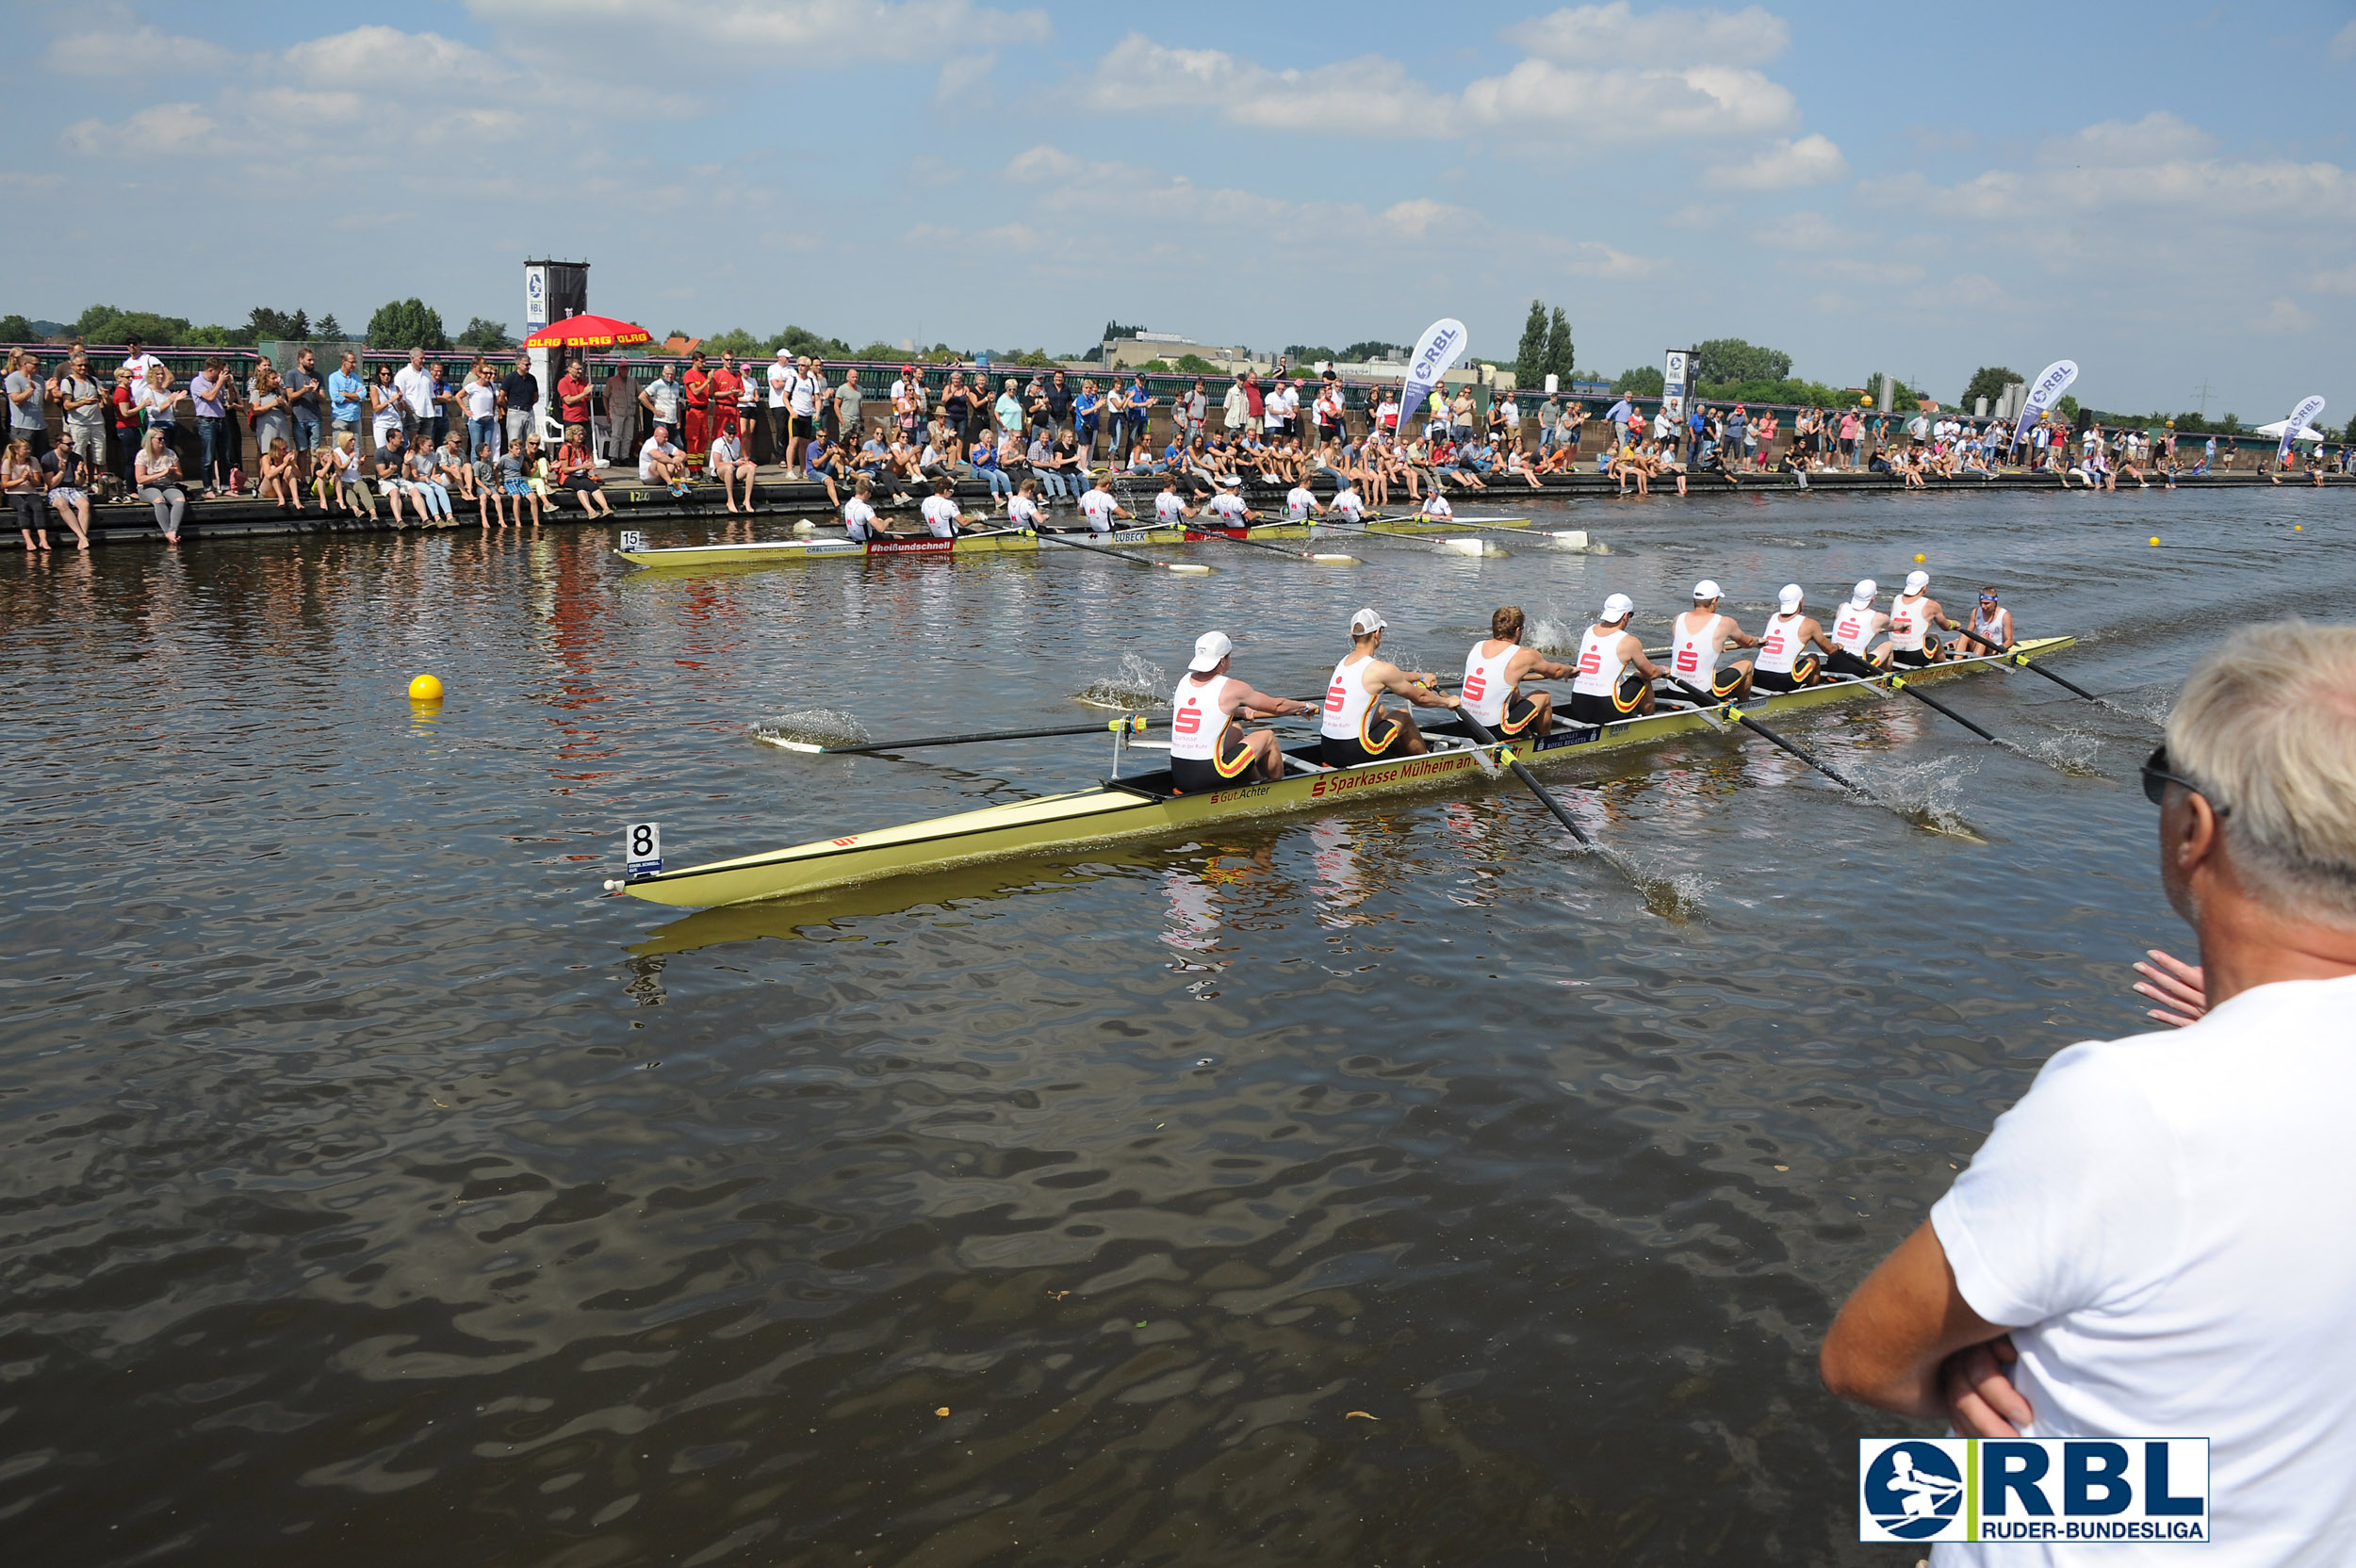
641	849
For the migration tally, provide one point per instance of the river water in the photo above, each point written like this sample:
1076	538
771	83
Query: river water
1389	1186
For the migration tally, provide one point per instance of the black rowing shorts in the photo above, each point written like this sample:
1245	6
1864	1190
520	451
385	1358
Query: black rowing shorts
1521	713
1192	776
1349	752
1586	708
1802	673
1913	660
1844	662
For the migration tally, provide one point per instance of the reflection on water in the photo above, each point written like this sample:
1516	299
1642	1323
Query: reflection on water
1388	1186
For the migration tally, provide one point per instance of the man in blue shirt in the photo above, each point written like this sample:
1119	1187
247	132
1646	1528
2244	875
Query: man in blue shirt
1620	413
348	396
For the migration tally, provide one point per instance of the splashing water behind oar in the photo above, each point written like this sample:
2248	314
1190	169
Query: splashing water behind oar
1730	711
1139	683
818	727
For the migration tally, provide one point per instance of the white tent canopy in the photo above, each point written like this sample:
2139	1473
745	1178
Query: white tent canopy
2306	432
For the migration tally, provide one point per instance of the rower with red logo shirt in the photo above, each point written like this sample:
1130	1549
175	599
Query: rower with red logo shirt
1699	637
1209	748
1853	632
1614	678
1357	726
1784	663
1494	673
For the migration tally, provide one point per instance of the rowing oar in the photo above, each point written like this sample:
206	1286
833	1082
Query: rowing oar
1297	555
1900	683
1450	522
1133	723
1505	754
1185	568
1793	747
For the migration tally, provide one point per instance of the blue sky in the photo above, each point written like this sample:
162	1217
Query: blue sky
2163	193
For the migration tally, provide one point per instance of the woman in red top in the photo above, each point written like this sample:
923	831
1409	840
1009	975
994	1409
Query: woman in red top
125	405
577	471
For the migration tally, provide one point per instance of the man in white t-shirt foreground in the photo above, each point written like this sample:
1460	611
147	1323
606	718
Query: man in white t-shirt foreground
2154	1242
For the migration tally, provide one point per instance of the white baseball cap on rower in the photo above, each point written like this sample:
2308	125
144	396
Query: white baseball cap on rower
1363	622
1916	582
1209	649
1863	593
1788	599
1706	589
1617	606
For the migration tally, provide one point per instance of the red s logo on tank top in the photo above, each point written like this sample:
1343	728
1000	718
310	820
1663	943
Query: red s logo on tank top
1590	662
1475	684
1335	697
1688	658
1188	720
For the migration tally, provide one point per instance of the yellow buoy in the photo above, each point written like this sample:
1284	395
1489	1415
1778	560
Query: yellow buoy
2155	538
426	689
1918	555
2298	527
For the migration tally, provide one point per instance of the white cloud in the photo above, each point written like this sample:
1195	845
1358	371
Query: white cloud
1632	106
2282	319
138	52
2342	281
1786	165
1807	230
1366	95
750	34
1180	211
2158	137
964	73
1587	36
1680	92
159	128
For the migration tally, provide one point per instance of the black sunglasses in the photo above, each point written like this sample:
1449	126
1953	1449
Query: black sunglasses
2156	779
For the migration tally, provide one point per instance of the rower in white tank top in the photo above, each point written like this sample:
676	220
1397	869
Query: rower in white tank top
1169	507
1494	673
1853	632
1991	628
1357	728
1197	720
1912	615
1209	749
1614	678
1786	662
1348	505
1698	639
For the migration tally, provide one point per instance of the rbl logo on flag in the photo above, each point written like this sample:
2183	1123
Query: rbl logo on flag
2145	1489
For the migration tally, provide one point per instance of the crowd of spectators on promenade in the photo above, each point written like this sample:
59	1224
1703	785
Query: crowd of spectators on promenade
428	445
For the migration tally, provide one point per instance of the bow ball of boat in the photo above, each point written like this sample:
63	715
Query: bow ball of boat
1145	806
